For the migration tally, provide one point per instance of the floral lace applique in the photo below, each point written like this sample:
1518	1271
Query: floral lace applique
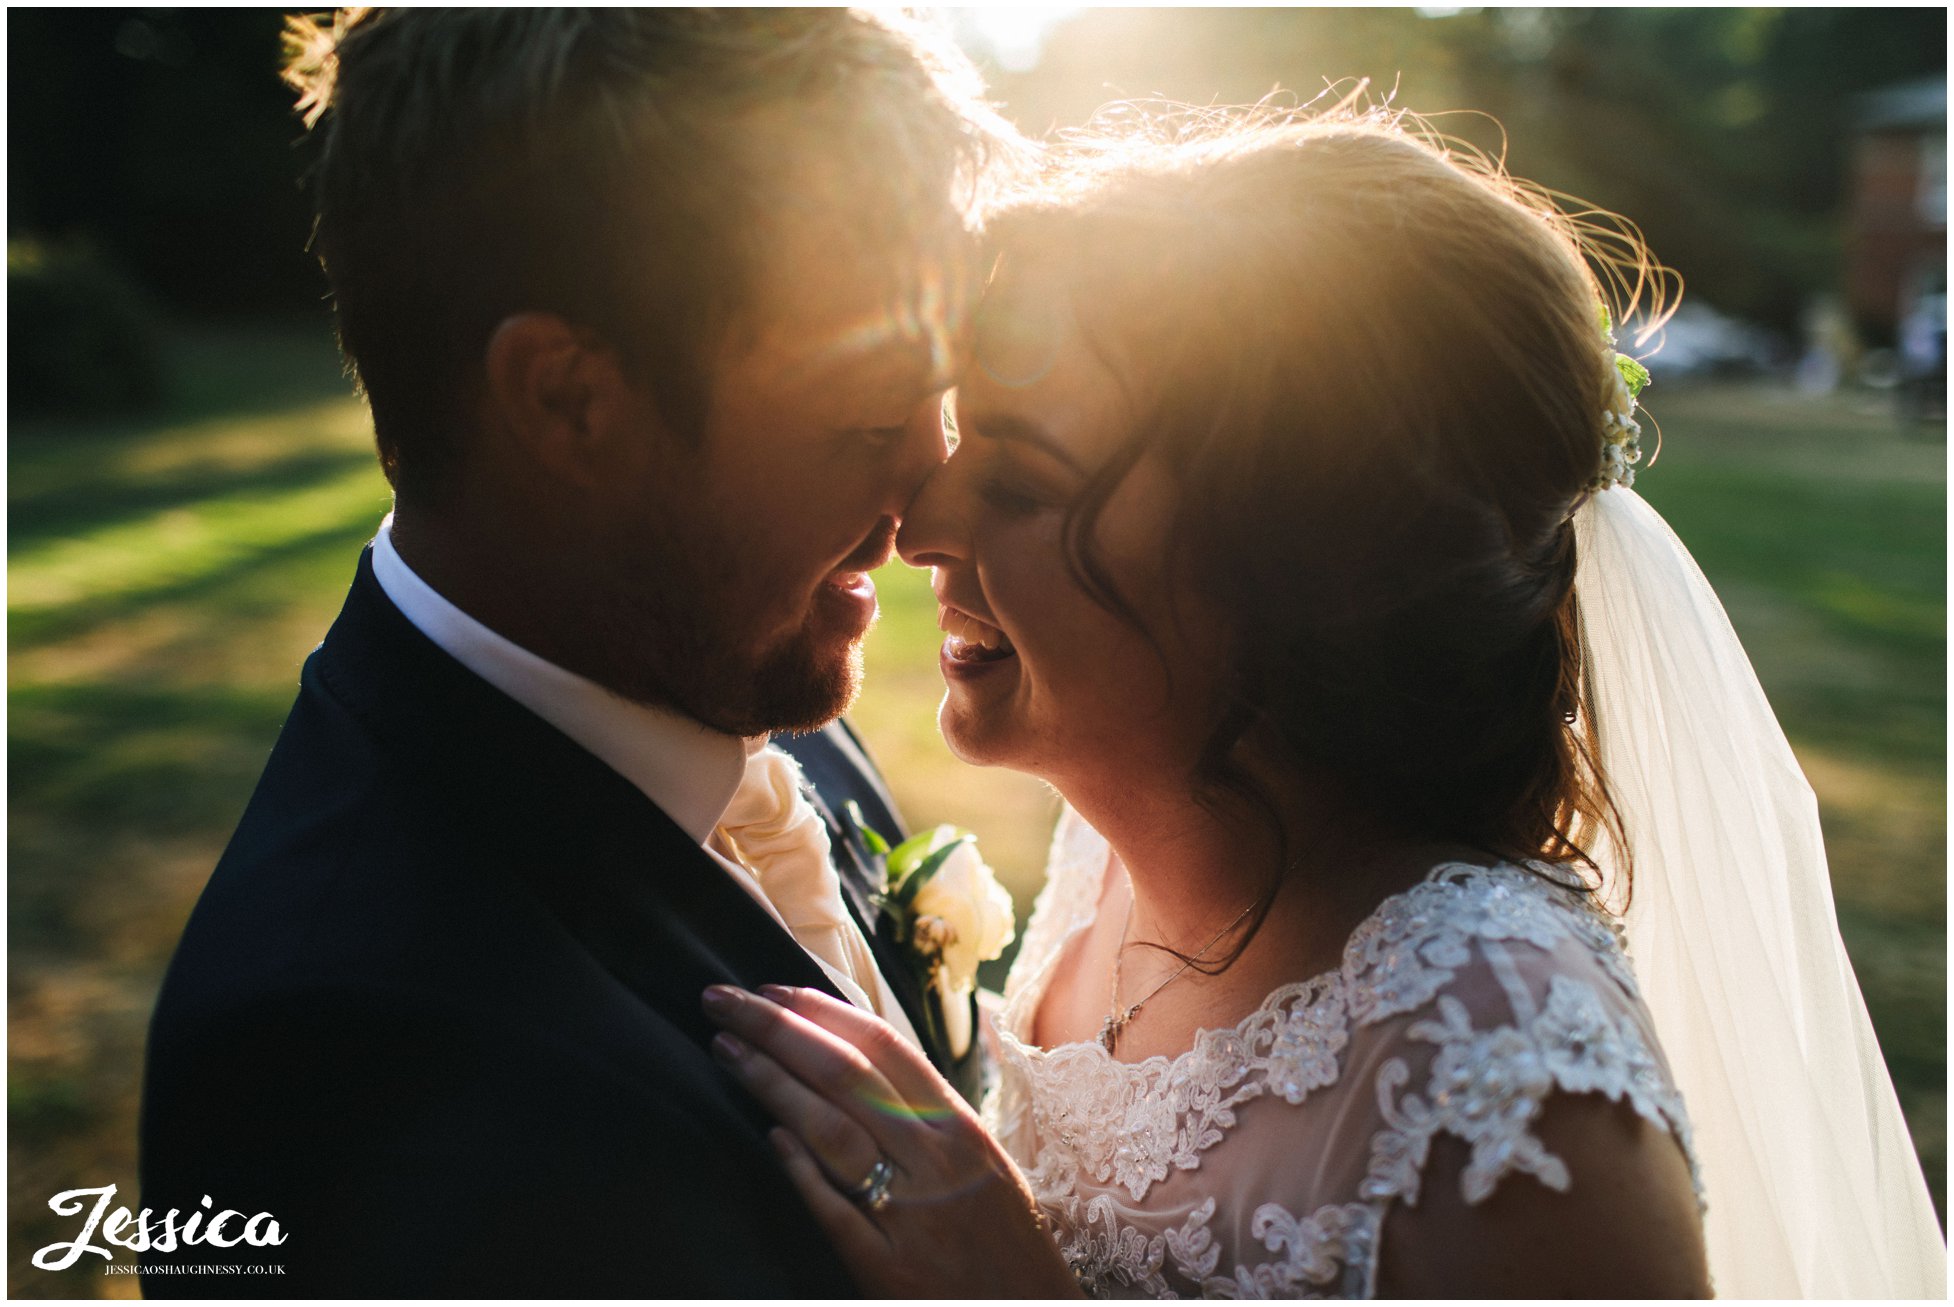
1487	1087
1193	1246
1135	1124
1415	943
1329	1254
1325	1254
1107	1255
1589	1051
1089	1129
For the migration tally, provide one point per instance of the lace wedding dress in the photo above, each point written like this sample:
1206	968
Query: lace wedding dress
1266	1160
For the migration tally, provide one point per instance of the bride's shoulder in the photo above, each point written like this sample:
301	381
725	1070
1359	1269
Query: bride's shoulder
1504	981
1495	1007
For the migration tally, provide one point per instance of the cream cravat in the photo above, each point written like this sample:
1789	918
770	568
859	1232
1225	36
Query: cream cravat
778	835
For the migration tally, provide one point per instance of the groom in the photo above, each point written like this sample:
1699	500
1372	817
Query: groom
654	312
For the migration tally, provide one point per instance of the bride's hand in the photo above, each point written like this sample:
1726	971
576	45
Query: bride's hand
954	1216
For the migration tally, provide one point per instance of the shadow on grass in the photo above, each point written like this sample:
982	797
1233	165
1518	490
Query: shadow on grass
131	756
103	779
77	509
33	628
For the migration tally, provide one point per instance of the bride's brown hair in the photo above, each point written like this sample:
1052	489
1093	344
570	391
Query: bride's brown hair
1374	366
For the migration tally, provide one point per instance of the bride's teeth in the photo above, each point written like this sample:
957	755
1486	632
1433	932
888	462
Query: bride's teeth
969	637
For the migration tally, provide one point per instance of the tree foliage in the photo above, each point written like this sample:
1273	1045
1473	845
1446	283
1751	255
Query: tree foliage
1724	133
164	139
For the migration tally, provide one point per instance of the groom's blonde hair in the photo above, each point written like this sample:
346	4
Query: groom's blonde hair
473	163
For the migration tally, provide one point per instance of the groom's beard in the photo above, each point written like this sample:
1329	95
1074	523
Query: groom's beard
677	634
800	688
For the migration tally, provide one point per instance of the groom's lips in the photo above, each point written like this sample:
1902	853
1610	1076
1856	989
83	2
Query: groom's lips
853	595
849	586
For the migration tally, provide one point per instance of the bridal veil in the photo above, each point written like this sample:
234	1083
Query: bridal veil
1813	1185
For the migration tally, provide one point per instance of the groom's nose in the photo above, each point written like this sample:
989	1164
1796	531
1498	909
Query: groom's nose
924	445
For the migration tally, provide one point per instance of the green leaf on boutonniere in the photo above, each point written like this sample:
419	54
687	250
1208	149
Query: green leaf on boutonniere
908	855
870	836
921	863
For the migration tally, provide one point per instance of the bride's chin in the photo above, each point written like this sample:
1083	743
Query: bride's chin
950	725
966	735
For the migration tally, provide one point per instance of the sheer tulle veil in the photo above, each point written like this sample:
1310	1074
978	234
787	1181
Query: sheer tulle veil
1814	1189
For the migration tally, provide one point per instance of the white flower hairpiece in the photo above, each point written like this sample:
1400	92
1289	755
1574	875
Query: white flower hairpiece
1621	434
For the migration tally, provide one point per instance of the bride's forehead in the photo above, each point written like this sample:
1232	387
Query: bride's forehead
1023	326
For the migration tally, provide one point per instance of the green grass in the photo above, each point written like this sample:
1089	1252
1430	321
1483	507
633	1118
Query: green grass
168	576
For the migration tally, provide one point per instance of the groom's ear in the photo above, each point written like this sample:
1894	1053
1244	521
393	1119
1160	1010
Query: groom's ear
560	394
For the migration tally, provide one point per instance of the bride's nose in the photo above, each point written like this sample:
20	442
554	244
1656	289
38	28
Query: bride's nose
934	531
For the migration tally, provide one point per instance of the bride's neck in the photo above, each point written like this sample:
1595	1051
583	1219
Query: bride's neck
1186	864
1194	867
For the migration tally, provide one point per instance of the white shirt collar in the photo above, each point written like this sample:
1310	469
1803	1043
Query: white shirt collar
687	769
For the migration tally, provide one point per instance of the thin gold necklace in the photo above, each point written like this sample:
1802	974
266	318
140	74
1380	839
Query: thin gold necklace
1116	1020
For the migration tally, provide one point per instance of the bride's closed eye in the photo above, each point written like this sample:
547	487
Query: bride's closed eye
1014	497
1024	471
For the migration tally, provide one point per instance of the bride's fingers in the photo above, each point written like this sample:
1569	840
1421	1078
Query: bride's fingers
856	1236
845	1151
833	1069
900	1062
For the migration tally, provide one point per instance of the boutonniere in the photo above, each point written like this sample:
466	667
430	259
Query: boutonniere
950	914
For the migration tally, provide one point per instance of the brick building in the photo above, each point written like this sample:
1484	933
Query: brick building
1896	222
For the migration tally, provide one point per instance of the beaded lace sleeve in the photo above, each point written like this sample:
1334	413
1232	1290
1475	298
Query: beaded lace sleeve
1266	1160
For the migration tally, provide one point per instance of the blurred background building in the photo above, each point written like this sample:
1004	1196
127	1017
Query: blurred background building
1896	237
1896	217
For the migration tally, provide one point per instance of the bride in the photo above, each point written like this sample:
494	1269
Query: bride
1290	538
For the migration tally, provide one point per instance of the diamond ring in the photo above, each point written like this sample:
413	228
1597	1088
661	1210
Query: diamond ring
873	1191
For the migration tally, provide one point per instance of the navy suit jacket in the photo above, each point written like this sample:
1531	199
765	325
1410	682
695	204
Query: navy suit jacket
437	1010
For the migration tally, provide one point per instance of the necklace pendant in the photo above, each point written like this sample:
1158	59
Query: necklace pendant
1109	1031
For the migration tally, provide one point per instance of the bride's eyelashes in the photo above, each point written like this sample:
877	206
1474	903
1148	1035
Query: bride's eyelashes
1013	498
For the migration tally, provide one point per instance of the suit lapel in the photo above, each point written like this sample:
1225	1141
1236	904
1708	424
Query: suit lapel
832	772
860	880
646	902
665	919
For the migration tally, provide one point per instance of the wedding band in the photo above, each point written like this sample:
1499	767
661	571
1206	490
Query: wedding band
873	1191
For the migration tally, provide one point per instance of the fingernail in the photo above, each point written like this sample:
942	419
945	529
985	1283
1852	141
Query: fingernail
776	994
728	1047
721	998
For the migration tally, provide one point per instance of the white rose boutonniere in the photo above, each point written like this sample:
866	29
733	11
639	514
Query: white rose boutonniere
949	912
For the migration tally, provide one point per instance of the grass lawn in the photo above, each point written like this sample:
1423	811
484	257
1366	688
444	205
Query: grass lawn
168	576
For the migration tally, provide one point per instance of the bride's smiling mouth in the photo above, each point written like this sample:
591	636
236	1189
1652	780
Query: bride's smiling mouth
972	642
